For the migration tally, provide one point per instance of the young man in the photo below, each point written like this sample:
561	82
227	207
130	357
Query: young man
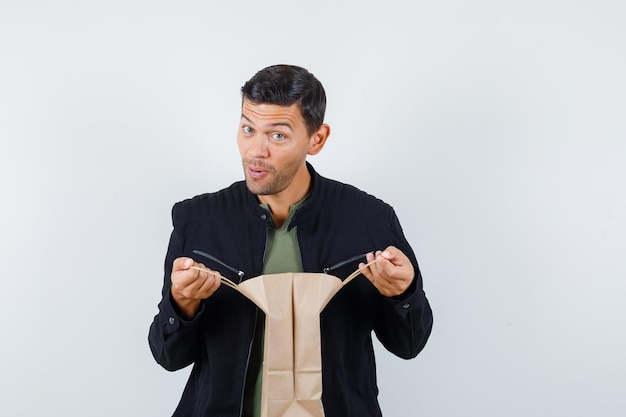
284	218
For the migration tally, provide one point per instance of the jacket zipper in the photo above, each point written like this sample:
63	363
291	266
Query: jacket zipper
256	319
298	246
267	236
236	271
243	388
240	274
344	263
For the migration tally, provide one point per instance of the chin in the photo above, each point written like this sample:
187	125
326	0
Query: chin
256	189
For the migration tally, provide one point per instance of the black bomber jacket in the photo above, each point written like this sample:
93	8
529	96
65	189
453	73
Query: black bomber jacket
336	227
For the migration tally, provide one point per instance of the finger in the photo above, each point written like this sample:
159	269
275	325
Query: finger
182	264
395	256
389	269
183	274
381	284
365	269
201	270
372	270
379	268
210	285
391	272
207	282
185	270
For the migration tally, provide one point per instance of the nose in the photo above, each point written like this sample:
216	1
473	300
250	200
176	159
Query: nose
257	146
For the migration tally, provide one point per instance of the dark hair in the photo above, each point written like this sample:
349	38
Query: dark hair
285	85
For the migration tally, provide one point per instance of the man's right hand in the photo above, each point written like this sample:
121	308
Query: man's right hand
190	286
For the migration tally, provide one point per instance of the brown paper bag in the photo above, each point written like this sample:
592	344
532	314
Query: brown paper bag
292	362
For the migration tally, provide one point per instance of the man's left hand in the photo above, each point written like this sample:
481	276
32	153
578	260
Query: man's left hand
392	274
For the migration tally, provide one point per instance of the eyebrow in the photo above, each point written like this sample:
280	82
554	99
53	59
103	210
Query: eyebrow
286	124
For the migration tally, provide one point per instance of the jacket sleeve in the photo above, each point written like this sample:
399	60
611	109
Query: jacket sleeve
405	322
174	342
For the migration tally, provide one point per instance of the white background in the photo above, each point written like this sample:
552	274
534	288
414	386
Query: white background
496	130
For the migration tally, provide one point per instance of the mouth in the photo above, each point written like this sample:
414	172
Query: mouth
255	171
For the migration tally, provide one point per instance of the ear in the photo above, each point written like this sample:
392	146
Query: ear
318	139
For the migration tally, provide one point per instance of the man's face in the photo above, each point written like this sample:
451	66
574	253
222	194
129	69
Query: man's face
273	142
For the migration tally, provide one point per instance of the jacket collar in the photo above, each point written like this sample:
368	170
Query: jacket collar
315	199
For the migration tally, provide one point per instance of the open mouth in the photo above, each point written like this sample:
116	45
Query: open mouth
255	172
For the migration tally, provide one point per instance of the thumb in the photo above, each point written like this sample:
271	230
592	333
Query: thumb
394	256
182	264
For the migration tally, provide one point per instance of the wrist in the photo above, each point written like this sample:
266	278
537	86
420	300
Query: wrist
185	307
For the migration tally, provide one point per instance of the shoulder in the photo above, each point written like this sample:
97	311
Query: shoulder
340	194
230	199
340	203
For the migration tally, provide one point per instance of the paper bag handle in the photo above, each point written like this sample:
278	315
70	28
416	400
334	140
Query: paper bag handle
231	284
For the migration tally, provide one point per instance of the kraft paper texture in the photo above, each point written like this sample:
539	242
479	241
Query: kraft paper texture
292	363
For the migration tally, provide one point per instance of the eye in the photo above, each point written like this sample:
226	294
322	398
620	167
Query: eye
247	129
278	136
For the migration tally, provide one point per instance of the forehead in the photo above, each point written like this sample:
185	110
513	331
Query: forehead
272	114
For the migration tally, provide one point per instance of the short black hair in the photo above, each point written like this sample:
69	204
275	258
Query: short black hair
285	85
